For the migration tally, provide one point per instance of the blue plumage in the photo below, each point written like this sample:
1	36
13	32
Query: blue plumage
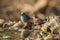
24	17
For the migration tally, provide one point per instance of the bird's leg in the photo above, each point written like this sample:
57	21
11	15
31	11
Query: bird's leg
25	24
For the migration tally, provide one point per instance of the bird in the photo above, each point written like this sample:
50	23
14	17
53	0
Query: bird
24	17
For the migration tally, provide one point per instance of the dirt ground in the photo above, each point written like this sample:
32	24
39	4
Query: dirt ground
11	25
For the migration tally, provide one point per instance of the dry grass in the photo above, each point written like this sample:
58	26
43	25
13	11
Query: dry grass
10	24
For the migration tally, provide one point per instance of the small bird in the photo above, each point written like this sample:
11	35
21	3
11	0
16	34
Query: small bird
24	17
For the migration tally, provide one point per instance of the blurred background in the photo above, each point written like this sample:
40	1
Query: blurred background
11	9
